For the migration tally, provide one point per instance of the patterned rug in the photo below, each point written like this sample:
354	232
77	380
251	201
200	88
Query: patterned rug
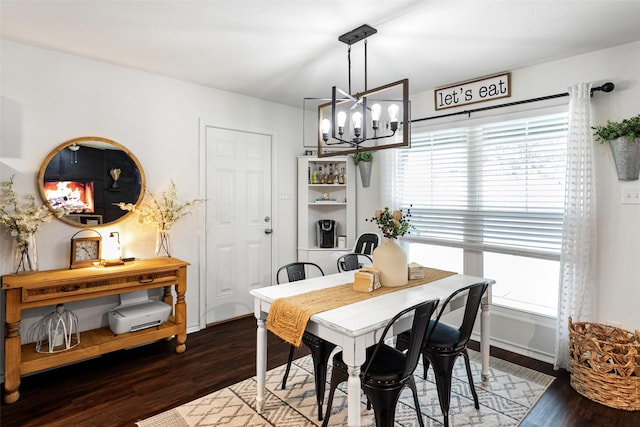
507	398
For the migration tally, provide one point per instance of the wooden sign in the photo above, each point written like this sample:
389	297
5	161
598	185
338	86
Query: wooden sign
481	90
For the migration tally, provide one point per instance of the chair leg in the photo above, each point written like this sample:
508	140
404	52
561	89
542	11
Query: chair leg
443	369
425	365
412	385
320	353
286	372
384	404
337	377
473	388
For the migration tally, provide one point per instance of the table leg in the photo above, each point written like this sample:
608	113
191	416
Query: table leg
353	396
261	363
12	347
485	339
180	309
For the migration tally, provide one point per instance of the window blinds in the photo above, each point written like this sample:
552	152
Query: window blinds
497	187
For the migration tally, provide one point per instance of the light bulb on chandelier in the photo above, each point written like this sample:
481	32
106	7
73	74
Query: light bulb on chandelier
378	118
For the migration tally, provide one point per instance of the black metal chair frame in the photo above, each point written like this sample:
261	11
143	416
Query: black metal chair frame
381	383
366	243
351	261
442	355
320	349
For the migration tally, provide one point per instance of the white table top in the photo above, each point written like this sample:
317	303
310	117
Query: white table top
372	314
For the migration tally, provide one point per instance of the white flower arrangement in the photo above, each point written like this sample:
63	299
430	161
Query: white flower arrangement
162	211
22	219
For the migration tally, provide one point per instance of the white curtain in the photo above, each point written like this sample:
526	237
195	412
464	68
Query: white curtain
389	191
577	290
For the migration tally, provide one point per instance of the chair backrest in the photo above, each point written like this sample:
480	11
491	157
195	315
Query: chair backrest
422	315
474	297
348	262
366	243
297	271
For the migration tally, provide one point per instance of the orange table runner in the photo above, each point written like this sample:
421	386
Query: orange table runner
288	316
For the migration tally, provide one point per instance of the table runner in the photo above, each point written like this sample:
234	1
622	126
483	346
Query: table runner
288	317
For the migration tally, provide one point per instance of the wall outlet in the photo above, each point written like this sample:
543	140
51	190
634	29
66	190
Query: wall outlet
284	195
631	195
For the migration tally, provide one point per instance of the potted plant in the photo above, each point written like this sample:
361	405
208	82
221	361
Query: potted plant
624	138
363	160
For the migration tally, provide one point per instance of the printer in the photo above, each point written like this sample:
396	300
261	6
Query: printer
136	311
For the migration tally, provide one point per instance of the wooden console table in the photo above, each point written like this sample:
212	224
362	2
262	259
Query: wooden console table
48	288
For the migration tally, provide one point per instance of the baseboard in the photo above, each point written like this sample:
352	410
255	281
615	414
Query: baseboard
526	334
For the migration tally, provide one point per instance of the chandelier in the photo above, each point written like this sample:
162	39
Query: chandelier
371	120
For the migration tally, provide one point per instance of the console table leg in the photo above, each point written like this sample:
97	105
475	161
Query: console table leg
181	310
12	347
12	362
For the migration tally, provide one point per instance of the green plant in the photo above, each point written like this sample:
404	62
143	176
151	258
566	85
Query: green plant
629	128
363	156
392	223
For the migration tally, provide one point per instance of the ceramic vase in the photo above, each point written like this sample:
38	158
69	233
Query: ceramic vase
391	260
25	255
163	244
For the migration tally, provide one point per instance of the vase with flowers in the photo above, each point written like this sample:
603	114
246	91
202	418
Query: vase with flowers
389	258
22	221
161	211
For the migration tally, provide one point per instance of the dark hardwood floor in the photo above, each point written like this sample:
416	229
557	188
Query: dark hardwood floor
121	388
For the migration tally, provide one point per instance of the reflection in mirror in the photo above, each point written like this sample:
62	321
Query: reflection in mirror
86	176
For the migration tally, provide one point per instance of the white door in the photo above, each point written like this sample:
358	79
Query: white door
238	220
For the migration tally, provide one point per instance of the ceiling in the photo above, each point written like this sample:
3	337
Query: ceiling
284	51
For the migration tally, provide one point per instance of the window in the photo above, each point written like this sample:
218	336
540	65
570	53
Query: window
495	190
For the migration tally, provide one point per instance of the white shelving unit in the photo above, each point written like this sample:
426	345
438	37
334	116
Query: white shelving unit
311	209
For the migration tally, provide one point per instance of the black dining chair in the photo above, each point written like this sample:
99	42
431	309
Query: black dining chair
320	349
366	243
387	370
447	343
348	262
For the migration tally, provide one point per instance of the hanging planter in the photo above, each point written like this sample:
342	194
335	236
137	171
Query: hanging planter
626	156
624	139
363	160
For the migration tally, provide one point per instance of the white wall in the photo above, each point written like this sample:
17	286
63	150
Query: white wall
49	98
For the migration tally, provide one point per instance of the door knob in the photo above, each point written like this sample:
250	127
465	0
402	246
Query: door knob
268	230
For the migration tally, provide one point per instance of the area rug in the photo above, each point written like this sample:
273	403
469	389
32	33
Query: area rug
504	401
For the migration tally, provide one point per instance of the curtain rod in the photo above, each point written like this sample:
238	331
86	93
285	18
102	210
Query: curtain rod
607	87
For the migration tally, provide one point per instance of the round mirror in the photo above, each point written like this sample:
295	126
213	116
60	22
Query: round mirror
86	177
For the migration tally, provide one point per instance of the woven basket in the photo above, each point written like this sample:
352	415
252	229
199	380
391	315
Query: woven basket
605	364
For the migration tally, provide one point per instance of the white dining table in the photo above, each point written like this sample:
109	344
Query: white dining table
356	326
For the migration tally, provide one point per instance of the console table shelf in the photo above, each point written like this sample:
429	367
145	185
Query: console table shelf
53	287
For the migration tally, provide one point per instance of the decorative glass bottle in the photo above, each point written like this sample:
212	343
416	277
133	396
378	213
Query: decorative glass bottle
163	243
25	254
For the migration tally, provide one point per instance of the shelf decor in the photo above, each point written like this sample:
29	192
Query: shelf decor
389	258
624	139
162	211
55	332
23	221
